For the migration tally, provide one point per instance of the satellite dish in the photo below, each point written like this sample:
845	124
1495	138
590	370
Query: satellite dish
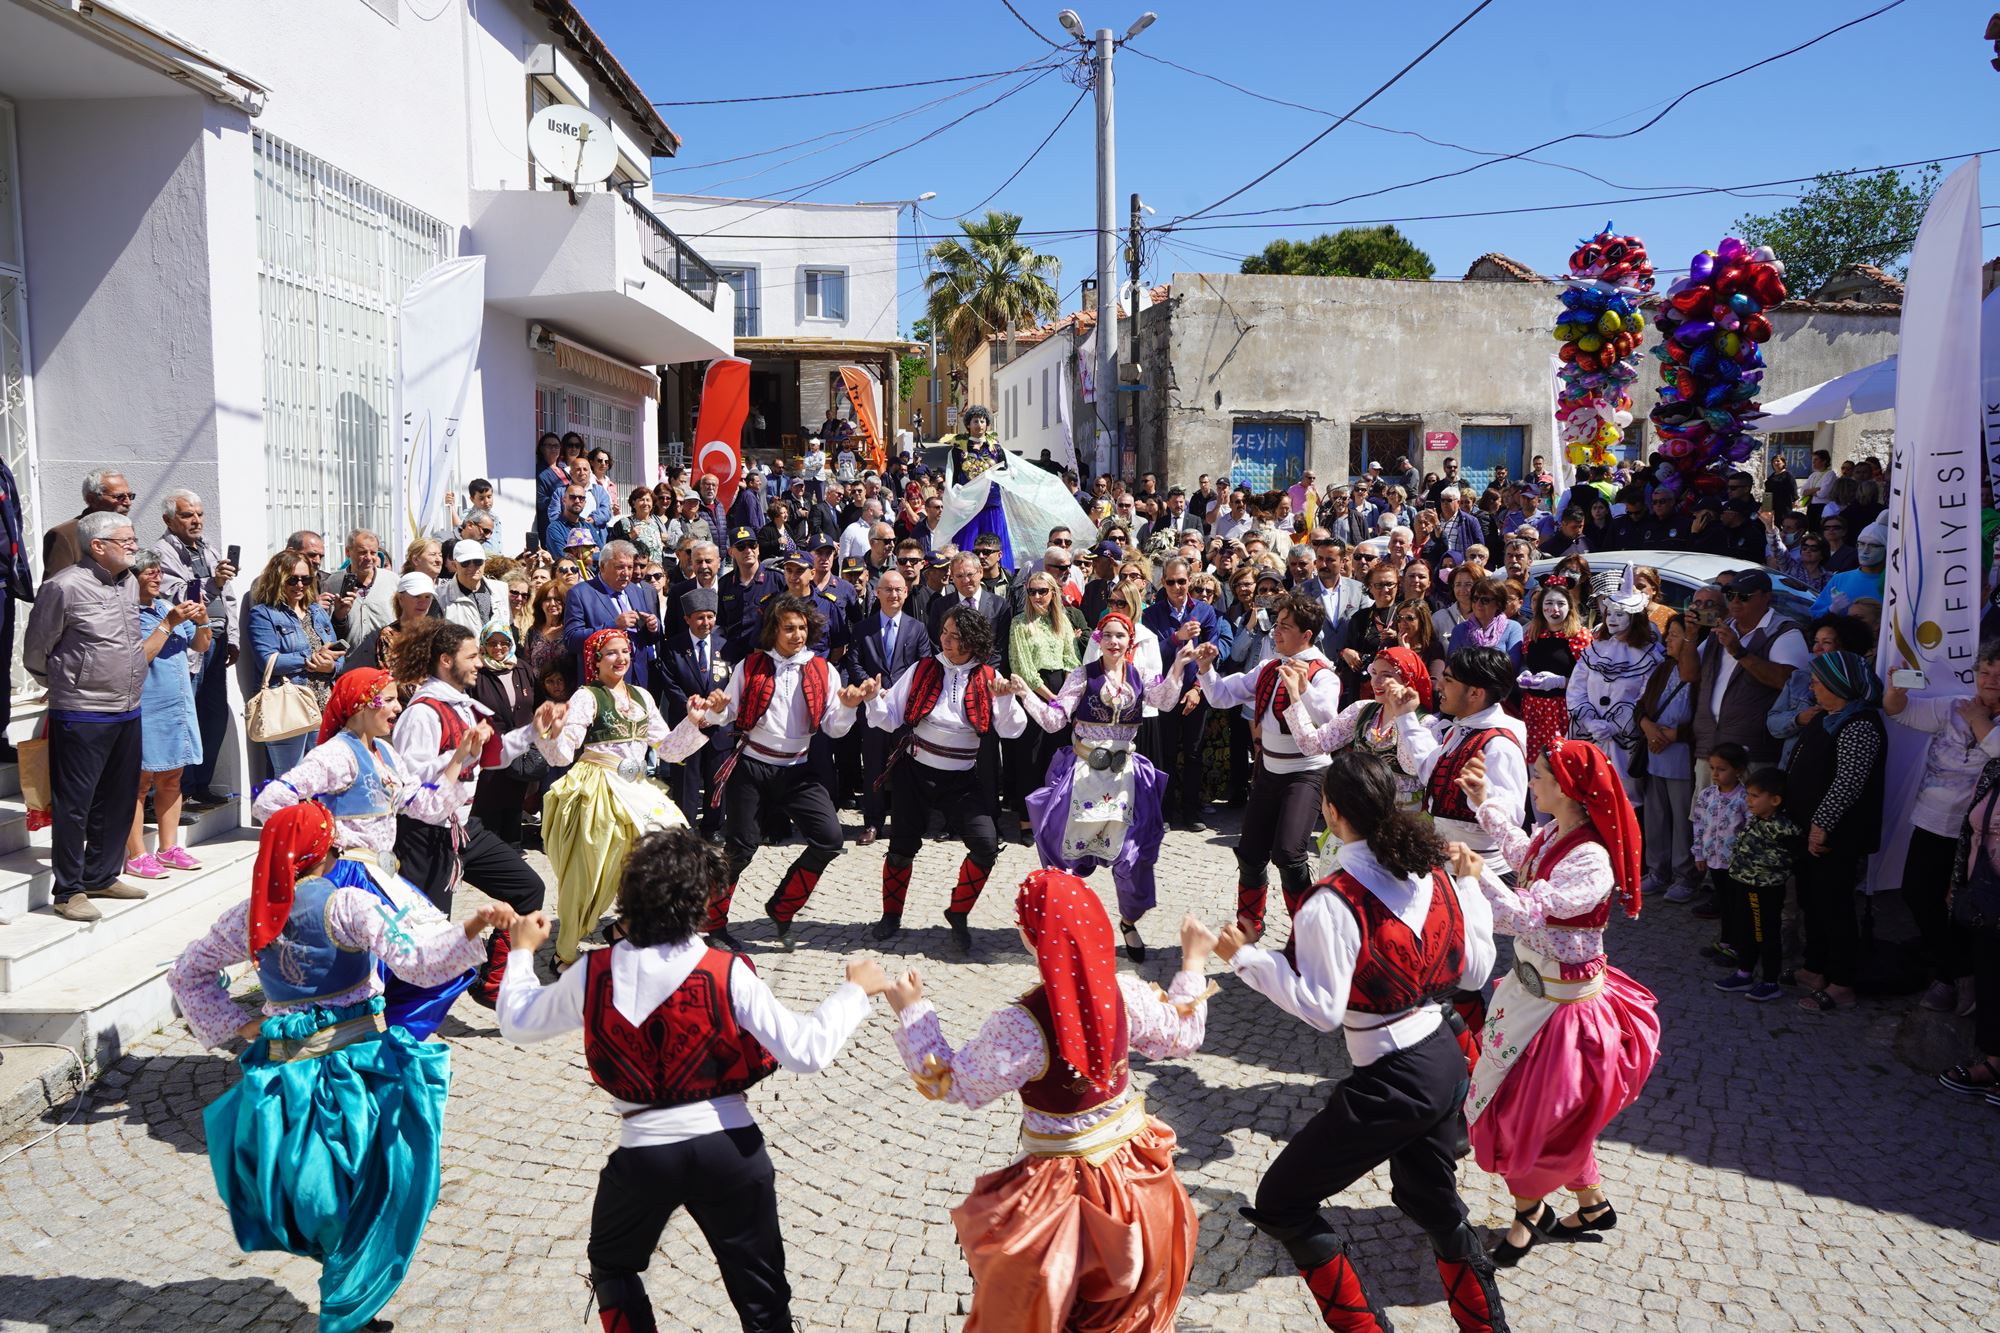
572	145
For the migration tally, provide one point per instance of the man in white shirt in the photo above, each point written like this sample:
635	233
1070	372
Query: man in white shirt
1238	521
854	537
1283	810
1477	681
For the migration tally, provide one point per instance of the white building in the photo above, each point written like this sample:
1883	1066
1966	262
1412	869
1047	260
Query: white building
816	288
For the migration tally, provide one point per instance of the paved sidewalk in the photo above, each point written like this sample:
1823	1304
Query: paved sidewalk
1782	1170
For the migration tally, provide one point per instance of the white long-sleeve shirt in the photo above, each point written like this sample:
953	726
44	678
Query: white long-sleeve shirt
946	726
1327	941
785	730
640	980
1281	752
1422	742
418	734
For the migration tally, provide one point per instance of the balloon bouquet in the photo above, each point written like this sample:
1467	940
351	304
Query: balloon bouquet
1599	331
1711	367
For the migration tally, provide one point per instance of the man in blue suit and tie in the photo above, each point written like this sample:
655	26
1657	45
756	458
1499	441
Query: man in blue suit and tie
693	662
611	599
886	642
1175	619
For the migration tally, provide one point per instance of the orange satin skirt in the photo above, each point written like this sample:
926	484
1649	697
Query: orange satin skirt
1057	1244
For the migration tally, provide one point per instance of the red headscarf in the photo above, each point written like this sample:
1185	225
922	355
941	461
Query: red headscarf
1586	776
352	692
294	840
1122	617
1074	949
594	645
1412	670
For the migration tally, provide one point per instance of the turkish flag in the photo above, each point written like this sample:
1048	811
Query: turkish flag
718	431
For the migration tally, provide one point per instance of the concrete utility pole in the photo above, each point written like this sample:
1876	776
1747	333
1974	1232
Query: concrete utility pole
1138	304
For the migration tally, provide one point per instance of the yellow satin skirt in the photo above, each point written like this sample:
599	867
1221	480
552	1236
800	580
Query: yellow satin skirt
590	819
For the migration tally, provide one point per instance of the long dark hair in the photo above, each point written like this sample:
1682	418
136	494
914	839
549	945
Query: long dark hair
1361	788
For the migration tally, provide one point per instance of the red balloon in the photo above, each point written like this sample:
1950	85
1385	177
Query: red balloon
1767	286
1731	280
1690	300
1567	352
1756	328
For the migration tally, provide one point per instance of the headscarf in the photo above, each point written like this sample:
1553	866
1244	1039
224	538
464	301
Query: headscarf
1587	777
594	645
294	840
1074	947
352	691
1121	615
1850	677
499	627
1412	670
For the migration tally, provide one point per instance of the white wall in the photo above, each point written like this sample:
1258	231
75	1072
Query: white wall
780	241
1022	381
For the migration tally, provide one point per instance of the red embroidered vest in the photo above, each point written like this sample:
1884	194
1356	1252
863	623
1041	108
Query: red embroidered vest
689	1049
1271	691
1061	1090
1443	798
1397	968
452	729
760	682
927	687
1543	855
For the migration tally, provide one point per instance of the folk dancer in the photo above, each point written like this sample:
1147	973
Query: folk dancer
677	1032
953	705
1376	947
1363	725
328	1146
1091	1228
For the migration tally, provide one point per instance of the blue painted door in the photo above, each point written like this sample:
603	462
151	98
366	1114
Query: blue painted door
1484	448
1266	455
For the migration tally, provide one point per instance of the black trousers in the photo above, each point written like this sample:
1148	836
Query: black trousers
726	1182
1985	949
494	867
1403	1110
693	784
1278	827
965	798
211	715
1826	901
1927	874
799	790
1242	759
496	803
7	605
1180	756
94	789
1753	923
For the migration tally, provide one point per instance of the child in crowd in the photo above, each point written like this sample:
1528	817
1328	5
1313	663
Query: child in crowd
1754	886
1719	812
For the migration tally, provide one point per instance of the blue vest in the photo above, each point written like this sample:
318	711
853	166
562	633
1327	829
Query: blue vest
304	963
368	794
1091	708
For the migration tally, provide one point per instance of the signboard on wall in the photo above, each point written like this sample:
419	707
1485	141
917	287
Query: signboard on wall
1440	441
1266	455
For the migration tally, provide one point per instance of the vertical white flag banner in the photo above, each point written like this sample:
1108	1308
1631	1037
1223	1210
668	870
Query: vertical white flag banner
1989	403
1932	589
436	349
1559	464
1064	392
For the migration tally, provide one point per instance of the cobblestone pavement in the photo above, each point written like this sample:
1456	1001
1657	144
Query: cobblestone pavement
1781	1171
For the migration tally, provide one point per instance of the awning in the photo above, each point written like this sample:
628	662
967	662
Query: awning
105	24
828	349
1869	389
591	364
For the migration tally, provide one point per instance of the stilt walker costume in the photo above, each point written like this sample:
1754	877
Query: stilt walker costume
677	1032
365	786
948	760
1090	1228
1375	949
328	1145
1610	677
605	803
1570	1040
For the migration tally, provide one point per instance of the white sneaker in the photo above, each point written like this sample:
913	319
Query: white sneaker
1681	893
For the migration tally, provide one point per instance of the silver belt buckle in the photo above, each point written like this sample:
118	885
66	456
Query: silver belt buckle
1530	978
631	769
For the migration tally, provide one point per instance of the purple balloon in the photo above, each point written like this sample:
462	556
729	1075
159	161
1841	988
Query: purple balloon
1731	250
1693	332
1701	269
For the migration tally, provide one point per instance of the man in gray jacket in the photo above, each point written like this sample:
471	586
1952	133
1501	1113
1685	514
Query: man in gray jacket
83	644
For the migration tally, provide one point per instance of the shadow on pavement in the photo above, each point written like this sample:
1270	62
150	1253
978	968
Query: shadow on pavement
83	1302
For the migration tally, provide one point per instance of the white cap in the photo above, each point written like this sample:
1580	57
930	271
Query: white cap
466	552
1875	534
417	584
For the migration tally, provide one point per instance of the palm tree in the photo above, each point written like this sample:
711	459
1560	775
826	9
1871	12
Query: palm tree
989	283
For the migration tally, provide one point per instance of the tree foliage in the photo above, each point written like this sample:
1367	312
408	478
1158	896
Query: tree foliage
1842	220
1354	252
988	282
912	368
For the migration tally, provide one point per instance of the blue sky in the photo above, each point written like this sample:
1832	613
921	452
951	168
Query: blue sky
1914	83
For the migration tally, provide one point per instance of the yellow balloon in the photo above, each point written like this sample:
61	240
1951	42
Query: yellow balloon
1589	342
1579	453
1609	324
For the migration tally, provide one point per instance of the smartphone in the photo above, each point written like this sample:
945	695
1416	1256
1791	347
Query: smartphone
1908	678
1708	616
235	556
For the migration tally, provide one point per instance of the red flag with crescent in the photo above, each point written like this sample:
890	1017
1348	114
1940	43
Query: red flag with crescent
718	430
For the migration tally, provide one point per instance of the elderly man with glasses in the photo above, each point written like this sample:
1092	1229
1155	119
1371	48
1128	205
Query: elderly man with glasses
105	491
193	569
1739	669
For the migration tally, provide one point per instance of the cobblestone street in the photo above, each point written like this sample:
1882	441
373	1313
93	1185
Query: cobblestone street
1783	1170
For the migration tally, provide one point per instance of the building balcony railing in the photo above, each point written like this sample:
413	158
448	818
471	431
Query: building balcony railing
671	257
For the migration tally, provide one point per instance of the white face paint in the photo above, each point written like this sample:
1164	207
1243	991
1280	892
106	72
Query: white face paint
1555	607
1616	621
1871	553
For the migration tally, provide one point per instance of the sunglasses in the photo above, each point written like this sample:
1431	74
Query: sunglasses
1736	596
517	597
1039	592
1486	599
568	569
1057	569
1063	541
654	577
1176	583
909	560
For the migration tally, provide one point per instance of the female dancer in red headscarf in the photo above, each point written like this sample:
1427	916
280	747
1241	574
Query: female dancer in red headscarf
1362	724
1091	1229
1569	1039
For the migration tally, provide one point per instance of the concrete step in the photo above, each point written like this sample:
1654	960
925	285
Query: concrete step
27	883
39	944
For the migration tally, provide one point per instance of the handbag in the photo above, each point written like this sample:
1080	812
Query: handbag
1975	900
280	712
37	792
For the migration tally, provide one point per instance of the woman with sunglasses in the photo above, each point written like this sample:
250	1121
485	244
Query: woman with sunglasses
1042	649
1489	625
1369	631
291	640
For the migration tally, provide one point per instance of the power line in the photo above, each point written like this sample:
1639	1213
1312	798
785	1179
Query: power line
840	92
1031	156
1296	154
1039	34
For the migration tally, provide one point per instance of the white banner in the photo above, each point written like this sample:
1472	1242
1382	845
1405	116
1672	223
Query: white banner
1064	397
1933	588
436	349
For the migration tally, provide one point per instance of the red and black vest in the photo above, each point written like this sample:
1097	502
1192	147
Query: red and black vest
689	1049
1061	1090
927	687
760	682
1443	797
1271	691
452	729
1542	861
1397	968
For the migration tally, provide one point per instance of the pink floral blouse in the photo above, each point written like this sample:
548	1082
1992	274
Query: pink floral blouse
1574	885
332	767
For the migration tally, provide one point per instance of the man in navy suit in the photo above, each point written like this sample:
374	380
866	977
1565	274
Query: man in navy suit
887	642
612	600
695	661
1175	619
968	589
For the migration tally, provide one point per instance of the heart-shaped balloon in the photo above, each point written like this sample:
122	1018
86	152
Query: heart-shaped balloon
1731	249
1690	299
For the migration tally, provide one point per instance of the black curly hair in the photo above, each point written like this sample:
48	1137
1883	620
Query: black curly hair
1362	790
975	631
792	605
416	653
664	892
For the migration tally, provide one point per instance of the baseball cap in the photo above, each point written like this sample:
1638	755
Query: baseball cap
822	542
851	565
467	553
796	558
1751	581
417	584
939	561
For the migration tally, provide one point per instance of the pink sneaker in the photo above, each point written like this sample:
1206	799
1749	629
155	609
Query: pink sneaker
177	858
145	867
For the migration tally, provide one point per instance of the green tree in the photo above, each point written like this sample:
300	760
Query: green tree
1842	220
989	283
1353	252
913	368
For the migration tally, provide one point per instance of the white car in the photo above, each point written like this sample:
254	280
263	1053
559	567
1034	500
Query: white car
1681	572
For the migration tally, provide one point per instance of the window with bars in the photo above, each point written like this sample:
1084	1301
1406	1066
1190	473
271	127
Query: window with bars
334	257
743	281
605	423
